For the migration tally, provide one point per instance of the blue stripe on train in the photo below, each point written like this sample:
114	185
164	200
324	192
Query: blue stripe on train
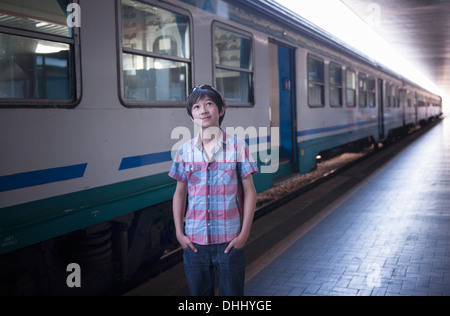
29	179
334	128
139	161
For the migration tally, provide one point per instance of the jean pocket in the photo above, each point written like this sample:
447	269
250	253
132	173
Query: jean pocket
235	249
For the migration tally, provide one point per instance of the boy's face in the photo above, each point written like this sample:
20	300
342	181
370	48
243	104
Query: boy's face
205	113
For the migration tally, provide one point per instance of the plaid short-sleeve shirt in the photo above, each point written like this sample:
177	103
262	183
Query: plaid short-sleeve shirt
215	195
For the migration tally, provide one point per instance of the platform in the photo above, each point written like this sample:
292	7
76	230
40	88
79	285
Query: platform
381	227
388	235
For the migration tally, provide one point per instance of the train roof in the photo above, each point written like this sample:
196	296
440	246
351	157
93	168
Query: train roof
297	23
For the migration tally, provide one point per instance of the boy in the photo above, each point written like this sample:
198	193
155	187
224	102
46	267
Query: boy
215	170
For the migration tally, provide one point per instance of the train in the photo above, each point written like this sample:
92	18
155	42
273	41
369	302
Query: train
92	94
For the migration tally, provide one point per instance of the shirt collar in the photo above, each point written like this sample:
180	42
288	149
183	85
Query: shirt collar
199	144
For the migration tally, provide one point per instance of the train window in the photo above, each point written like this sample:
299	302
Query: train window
233	54
336	85
410	96
156	55
421	100
350	80
37	55
362	90
391	93
371	92
316	82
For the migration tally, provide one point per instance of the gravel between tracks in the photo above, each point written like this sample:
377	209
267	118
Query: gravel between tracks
299	181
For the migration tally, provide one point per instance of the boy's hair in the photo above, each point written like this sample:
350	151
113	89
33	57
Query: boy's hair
202	91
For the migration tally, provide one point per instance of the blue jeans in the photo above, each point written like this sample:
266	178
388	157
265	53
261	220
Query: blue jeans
199	268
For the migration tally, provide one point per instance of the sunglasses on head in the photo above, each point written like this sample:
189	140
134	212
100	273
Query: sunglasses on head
204	87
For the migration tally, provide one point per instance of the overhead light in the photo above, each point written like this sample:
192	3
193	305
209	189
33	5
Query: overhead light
42	24
50	48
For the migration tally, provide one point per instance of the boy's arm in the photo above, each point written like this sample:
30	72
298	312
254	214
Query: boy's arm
249	212
179	206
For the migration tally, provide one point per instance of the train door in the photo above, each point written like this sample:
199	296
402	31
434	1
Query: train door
416	107
283	111
403	94
381	108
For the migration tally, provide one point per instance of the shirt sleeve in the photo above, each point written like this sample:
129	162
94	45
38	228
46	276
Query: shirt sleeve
246	164
178	170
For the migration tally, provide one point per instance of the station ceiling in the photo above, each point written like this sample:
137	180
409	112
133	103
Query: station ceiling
417	29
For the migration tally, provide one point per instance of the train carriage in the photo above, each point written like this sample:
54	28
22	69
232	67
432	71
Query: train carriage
92	105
